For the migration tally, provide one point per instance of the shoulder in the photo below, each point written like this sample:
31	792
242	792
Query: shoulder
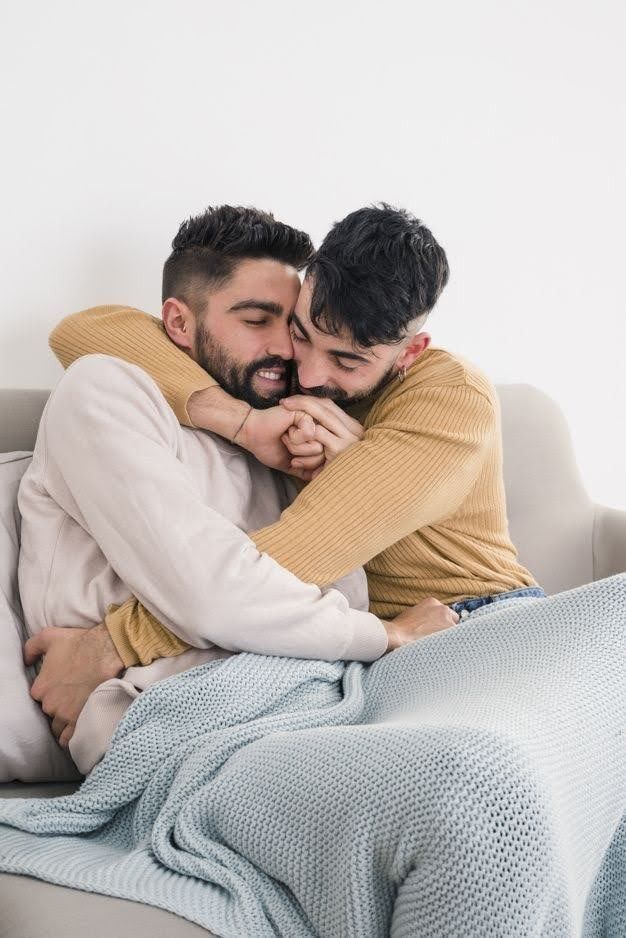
438	367
107	310
95	373
96	323
99	387
439	380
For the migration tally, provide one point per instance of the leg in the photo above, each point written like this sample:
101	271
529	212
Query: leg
375	827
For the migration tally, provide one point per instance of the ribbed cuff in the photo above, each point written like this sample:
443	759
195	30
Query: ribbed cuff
115	628
180	394
369	637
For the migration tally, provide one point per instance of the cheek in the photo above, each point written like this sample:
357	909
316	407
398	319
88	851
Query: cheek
348	382
247	344
356	382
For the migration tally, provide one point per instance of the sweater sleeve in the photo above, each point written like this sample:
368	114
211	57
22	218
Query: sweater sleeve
110	443
414	466
139	339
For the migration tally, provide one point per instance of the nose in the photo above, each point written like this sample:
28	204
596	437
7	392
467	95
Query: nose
280	345
310	374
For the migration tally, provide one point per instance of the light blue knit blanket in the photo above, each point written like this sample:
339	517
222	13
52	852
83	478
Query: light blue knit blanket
470	784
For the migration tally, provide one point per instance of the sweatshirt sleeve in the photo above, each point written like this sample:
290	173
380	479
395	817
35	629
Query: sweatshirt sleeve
111	444
415	465
139	339
140	638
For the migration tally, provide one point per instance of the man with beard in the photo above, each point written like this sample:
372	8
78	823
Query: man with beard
120	499
417	495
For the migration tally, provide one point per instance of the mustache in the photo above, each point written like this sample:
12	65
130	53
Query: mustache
269	363
317	392
272	363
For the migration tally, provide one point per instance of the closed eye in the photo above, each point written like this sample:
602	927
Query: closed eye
344	367
256	322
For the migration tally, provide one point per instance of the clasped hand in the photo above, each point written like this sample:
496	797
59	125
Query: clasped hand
301	435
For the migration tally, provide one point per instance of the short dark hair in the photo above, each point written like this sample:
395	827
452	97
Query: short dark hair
208	247
375	272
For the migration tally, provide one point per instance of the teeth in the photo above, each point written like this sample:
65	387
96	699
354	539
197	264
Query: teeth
271	375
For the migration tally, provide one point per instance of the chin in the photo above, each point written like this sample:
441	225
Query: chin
263	401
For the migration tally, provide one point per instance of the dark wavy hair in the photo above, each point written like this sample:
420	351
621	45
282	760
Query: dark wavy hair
375	272
208	248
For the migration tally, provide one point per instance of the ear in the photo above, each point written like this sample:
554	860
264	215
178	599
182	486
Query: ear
179	323
411	352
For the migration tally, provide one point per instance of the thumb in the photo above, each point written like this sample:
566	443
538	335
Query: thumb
66	735
34	648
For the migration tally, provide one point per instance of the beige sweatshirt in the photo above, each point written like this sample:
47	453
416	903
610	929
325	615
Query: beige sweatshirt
121	500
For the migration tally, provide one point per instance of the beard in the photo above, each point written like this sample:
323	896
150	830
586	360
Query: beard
341	398
237	377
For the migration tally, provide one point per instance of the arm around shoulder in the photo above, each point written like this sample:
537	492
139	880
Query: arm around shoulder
137	338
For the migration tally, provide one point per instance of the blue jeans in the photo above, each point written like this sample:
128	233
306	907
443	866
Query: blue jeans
465	606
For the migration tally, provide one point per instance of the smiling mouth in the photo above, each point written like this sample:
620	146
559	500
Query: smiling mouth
273	375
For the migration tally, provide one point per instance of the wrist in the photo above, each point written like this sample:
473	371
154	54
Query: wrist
109	658
247	436
392	635
215	410
240	433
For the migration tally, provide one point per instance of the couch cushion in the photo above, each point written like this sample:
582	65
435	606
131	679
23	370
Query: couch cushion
550	513
34	909
20	413
28	750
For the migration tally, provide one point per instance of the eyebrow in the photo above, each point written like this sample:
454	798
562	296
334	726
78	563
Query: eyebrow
340	353
266	306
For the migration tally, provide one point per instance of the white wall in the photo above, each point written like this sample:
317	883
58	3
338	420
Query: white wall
500	123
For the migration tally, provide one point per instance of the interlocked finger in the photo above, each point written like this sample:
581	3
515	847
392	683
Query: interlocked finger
298	447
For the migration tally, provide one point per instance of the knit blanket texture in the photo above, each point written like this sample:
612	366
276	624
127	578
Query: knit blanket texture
472	783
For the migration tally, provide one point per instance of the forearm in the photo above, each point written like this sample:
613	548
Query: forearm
214	409
140	638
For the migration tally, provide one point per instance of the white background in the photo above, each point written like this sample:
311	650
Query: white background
500	123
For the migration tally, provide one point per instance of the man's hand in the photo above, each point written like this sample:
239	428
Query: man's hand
75	662
263	434
423	619
334	429
214	409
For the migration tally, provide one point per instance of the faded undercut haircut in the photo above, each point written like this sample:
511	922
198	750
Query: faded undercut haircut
208	248
376	272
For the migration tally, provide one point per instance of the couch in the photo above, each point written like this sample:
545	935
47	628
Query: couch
562	536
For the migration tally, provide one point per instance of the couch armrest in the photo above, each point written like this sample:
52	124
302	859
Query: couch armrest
609	542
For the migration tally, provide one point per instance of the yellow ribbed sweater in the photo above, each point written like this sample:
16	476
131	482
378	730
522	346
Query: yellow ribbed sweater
419	501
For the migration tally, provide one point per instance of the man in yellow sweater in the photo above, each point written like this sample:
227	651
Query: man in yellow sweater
416	493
